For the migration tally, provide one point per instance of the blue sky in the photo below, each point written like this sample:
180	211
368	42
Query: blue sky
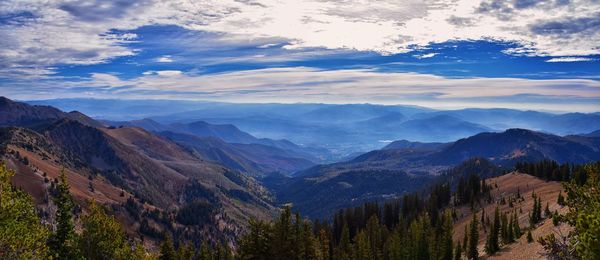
439	53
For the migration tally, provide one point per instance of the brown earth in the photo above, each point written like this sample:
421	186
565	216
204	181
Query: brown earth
507	186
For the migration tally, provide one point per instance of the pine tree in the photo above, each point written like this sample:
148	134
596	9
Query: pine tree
324	244
504	228
472	252
256	244
465	238
102	236
447	231
186	252
343	248
529	236
491	246
561	199
206	254
63	243
167	251
22	236
516	227
458	252
510	233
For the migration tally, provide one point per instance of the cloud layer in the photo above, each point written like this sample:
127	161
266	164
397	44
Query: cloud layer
37	35
301	84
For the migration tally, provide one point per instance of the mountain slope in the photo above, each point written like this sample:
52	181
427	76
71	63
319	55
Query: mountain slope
256	159
154	170
509	186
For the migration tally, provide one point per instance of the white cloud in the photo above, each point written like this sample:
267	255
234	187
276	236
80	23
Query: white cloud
164	73
165	59
569	59
43	33
426	56
301	84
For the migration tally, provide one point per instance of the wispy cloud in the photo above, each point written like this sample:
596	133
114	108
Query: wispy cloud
302	84
165	59
425	56
569	59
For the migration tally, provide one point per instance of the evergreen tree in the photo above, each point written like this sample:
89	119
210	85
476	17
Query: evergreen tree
491	245
206	254
63	243
324	244
344	249
186	251
465	238
529	236
447	231
504	228
167	251
510	231
283	246
458	252
472	252
257	243
102	236
516	227
561	199
583	202
21	234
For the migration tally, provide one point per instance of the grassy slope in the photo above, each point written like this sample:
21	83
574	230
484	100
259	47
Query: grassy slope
507	186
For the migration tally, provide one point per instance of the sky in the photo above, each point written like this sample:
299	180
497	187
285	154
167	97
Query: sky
523	54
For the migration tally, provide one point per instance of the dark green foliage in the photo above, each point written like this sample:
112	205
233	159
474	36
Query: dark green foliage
536	212
167	250
547	212
555	219
21	234
583	200
561	199
103	237
195	213
516	228
472	252
529	236
458	252
63	242
395	230
492	246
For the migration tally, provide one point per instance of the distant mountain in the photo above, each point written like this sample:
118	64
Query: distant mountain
442	127
561	124
232	135
343	129
354	113
255	159
226	132
405	144
593	134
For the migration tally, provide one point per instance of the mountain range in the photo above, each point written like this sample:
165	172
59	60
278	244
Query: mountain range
342	129
182	162
151	170
405	166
